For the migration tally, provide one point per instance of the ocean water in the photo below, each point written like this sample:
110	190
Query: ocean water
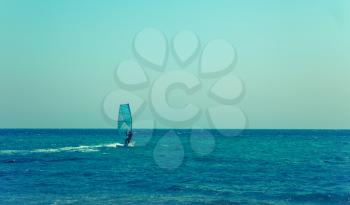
253	167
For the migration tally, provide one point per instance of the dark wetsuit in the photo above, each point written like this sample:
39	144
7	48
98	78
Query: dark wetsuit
128	139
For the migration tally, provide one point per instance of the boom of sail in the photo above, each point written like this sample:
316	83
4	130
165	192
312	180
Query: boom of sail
124	120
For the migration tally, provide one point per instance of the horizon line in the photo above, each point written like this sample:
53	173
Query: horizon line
176	129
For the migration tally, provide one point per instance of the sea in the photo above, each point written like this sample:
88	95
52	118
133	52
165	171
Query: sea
82	166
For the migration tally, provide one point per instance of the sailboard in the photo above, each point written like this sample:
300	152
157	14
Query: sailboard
124	120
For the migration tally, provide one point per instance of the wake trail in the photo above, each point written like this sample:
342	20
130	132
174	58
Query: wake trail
81	148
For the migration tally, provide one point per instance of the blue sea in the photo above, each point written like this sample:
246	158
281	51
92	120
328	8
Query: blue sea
59	166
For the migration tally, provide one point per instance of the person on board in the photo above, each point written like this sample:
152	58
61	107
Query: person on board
128	138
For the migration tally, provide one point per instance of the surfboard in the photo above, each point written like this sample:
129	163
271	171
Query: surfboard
131	144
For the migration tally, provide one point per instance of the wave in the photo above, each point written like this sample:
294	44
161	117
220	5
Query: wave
322	197
81	148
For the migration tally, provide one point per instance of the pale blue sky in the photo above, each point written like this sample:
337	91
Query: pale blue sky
58	58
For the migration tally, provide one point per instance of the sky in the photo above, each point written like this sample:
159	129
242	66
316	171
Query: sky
58	59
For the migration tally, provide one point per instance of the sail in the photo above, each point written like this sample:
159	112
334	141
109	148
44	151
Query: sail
124	120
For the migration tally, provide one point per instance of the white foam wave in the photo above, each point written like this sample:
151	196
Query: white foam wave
81	148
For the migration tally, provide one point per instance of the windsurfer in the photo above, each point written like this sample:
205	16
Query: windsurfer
128	138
